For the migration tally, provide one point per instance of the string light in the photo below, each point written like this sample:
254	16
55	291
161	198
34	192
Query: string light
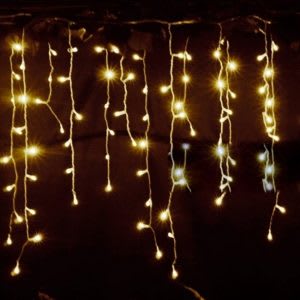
52	52
267	90
28	152
73	115
177	111
144	144
124	79
222	149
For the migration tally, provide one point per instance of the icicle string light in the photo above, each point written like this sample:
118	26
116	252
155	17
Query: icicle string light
124	112
11	156
267	90
73	115
51	53
109	74
146	171
226	65
28	151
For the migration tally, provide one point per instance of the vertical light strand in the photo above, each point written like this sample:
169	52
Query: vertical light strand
146	171
73	115
14	216
28	151
124	80
222	149
51	52
269	119
109	75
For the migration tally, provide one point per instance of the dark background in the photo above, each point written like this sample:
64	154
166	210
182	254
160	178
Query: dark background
94	251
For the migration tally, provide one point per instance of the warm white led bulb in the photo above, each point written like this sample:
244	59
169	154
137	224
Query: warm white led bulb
108	188
98	49
17	47
158	254
136	57
186	78
16	271
174	273
232	66
220	84
32	150
164	215
5	159
164	89
217	53
37	238
270	236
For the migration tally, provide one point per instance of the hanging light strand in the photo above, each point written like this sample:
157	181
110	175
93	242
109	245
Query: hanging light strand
225	93
269	119
51	53
27	151
73	114
124	79
146	171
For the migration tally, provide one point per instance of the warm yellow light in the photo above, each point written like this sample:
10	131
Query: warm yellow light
109	74
32	177
270	102
186	78
9	188
178	172
98	49
136	57
148	203
5	159
17	47
141	172
143	144
220	84
269	119
31	211
68	170
217	53
75	201
274	46
158	254
193	132
174	273
261	90
232	66
282	209
108	188
182	182
270	236
164	89
181	115
114	49
261	157
178	106
164	215
37	238
220	150
32	150
141	226
23	99
39	101
16	271
268	72
18	219
261	57
17	76
119	113
8	241
269	169
130	76
78	116
62	79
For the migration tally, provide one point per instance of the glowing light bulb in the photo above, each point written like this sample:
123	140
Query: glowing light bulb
141	226
39	101
145	118
23	99
220	84
174	273
108	188
31	211
17	47
141	172
18	219
170	235
136	57
130	76
73	50
217	53
148	203
9	188
37	238
269	102
114	49
182	182
75	200
274	46
111	132
186	78
178	106
269	186
68	170
32	150
220	150
98	49
178	172
261	90
182	115
164	215
16	271
232	66
192	132
67	143
158	254
17	76
164	89
5	159
270	236
143	144
261	57
261	157
78	116
8	241
282	209
269	169
62	79
109	74
185	146
268	72
32	177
